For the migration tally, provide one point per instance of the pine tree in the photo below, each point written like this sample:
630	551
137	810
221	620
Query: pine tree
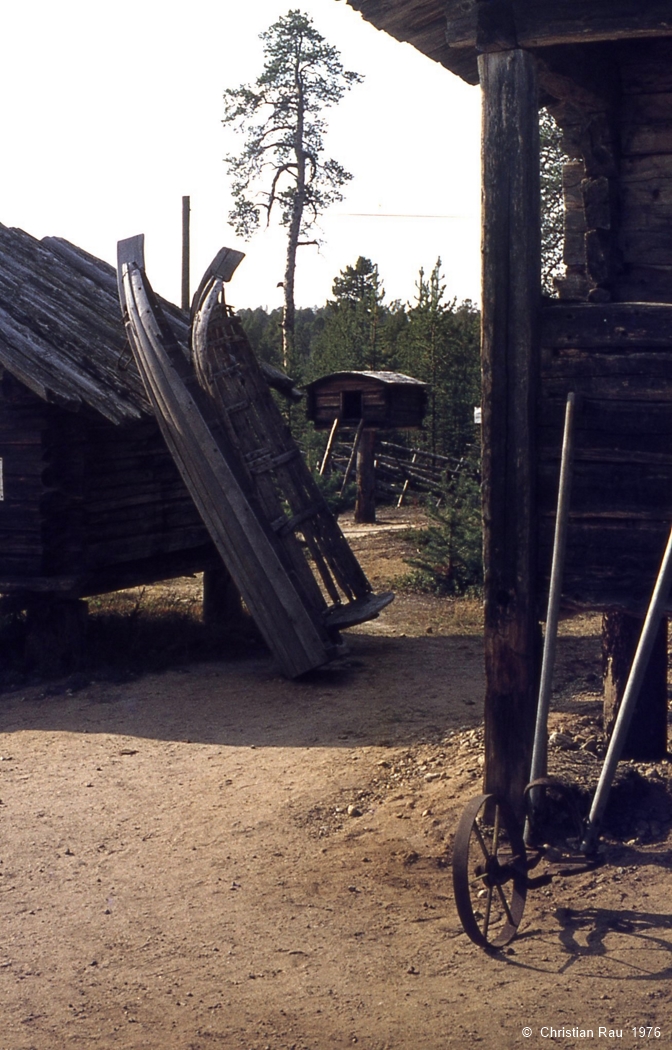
552	161
281	166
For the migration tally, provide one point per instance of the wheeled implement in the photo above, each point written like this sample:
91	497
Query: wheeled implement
493	852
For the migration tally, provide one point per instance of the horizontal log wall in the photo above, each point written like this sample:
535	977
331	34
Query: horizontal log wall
22	420
88	506
618	359
328	405
137	506
385	405
645	234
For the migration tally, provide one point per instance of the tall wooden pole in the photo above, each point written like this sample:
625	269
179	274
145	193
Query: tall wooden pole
646	740
510	310
186	210
365	504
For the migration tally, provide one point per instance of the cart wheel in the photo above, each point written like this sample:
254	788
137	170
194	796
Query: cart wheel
489	871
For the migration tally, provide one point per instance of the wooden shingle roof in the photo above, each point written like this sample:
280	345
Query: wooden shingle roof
61	331
454	32
388	378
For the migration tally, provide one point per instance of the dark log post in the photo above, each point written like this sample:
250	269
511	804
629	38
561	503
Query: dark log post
365	506
647	736
55	634
222	604
510	362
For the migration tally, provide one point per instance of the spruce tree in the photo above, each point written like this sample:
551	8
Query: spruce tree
353	333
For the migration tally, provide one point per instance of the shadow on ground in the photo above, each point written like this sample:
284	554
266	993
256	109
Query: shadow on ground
388	691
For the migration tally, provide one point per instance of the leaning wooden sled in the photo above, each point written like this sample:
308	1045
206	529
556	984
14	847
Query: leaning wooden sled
243	470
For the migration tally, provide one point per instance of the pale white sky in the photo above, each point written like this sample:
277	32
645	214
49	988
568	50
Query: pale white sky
109	114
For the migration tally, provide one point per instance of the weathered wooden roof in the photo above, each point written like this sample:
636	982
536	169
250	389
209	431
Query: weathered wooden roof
453	32
388	378
61	331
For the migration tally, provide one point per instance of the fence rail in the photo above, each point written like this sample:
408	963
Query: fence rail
401	471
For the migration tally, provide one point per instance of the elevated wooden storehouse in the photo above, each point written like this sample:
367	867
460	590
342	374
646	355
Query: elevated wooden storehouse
604	69
367	401
383	400
91	499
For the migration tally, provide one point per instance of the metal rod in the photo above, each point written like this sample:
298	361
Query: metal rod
540	749
186	208
647	639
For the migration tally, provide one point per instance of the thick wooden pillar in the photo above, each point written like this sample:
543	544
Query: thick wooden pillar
222	604
647	737
510	312
55	634
365	506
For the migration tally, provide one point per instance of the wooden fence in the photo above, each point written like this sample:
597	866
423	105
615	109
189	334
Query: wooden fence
402	472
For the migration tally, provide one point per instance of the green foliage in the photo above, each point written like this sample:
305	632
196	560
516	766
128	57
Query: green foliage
433	339
279	115
281	168
330	487
440	344
264	330
450	556
353	335
552	161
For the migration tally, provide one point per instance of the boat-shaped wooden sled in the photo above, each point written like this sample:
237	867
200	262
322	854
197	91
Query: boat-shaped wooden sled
244	471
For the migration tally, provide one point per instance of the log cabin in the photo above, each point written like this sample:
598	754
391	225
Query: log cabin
367	401
383	400
90	498
603	68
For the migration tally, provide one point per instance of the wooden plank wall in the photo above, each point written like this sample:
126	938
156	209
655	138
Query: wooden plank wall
21	423
137	506
62	510
645	234
326	400
617	355
386	405
88	505
618	358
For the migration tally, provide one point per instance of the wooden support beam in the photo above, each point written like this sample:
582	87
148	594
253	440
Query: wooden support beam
496	30
647	737
510	360
547	22
607	327
365	506
539	24
222	603
55	634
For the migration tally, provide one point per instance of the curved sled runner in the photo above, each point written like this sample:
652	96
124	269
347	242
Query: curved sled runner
228	369
235	491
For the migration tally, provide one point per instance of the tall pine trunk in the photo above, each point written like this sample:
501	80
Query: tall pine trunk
289	312
293	234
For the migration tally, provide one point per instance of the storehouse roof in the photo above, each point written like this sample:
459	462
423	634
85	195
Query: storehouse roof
454	32
389	378
61	331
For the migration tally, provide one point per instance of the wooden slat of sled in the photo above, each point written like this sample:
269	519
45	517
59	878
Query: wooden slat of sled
216	333
246	550
236	396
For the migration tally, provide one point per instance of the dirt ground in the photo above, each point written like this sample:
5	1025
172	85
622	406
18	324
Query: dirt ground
216	857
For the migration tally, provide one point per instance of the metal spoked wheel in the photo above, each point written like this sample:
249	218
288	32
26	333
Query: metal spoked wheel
489	871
